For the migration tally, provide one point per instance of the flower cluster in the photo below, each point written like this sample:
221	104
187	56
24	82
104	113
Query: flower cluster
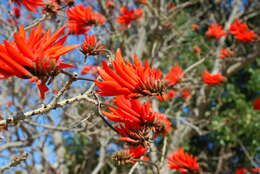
31	5
241	32
80	18
216	31
238	29
245	171
35	57
183	162
90	46
128	16
138	125
134	80
212	79
225	53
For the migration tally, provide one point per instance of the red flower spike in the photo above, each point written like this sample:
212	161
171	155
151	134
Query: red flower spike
216	31
137	118
16	12
131	80
131	111
128	16
127	156
225	53
241	171
167	96
80	18
183	162
255	170
185	93
90	46
35	57
174	76
89	69
31	5
214	79
241	32
256	104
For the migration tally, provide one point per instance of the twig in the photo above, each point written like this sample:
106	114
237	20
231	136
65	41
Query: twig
133	168
36	22
150	163
101	115
16	161
48	107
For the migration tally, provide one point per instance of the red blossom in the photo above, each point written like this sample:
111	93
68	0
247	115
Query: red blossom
196	49
31	5
255	170
166	96
90	46
213	79
128	16
183	162
17	12
174	76
241	171
35	57
134	112
132	80
195	27
185	93
215	30
87	69
256	104
128	156
241	32
81	17
225	53
110	4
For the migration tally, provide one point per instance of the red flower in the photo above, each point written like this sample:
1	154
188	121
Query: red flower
127	156
80	18
256	104
185	93
183	162
216	31
255	170
128	16
86	69
241	32
225	53
136	117
110	4
171	6
16	12
35	57
241	171
90	46
195	27
174	76
29	4
196	49
213	79
132	80
166	96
